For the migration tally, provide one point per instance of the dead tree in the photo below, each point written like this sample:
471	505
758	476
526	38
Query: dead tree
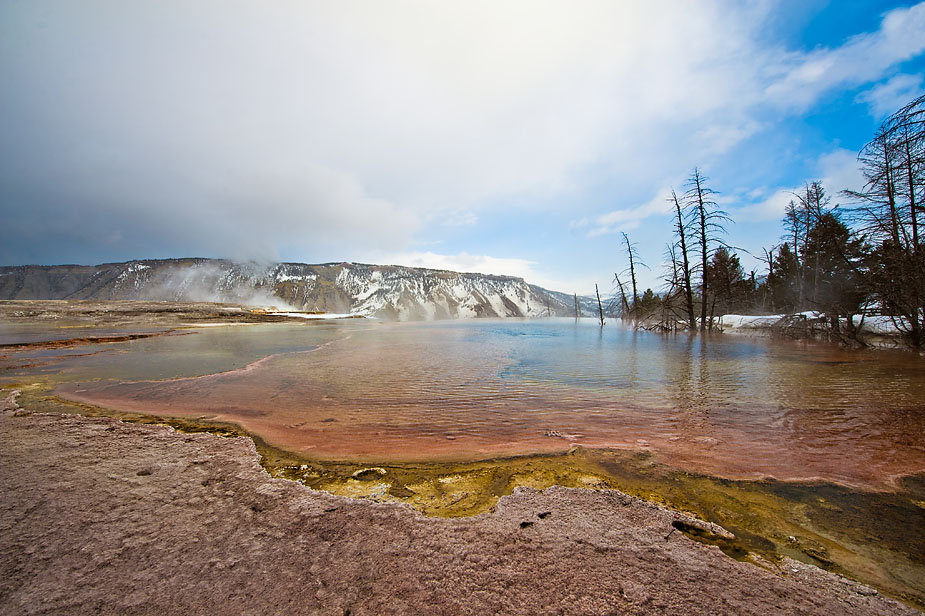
631	253
674	288
685	264
633	256
600	306
889	208
707	222
624	303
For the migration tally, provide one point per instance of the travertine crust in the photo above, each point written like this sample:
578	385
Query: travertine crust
104	517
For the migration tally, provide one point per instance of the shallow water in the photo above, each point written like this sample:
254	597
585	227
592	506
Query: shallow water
463	390
669	418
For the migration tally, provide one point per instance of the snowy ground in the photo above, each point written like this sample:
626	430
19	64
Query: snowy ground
316	316
881	325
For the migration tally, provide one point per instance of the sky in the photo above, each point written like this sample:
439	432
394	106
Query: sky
504	137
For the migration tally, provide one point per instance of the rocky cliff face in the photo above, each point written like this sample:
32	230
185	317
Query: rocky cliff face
383	291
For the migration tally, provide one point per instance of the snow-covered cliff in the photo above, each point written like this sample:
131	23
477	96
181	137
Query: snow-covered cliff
384	291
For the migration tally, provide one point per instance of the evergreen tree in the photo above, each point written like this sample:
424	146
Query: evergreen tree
783	280
726	277
648	304
838	274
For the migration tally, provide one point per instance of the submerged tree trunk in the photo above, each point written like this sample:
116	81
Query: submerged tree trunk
712	311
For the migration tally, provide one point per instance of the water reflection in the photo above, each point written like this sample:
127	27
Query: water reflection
464	390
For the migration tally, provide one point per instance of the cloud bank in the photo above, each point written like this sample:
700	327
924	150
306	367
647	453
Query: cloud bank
318	130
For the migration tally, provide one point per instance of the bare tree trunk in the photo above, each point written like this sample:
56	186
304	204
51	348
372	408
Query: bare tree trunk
768	302
702	214
623	301
892	159
912	207
629	252
712	311
891	193
577	308
600	306
686	273
708	224
816	281
753	289
796	255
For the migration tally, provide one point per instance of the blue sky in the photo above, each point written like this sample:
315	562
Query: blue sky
504	137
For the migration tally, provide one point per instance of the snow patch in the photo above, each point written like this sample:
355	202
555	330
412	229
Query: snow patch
883	325
315	316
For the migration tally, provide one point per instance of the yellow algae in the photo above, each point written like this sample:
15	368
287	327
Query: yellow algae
356	489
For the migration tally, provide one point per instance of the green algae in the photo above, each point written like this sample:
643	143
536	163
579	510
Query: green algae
874	537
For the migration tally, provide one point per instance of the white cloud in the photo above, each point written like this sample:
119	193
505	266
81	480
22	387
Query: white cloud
771	208
838	170
608	229
861	59
722	137
484	264
464	262
887	97
458	218
626	219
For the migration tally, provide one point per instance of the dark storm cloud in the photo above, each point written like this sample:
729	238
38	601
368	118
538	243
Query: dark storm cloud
126	132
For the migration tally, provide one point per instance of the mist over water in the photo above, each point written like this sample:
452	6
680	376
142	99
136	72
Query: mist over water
459	390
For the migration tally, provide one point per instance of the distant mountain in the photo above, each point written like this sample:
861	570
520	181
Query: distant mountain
383	291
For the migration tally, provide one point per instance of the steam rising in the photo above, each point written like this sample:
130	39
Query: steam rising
251	284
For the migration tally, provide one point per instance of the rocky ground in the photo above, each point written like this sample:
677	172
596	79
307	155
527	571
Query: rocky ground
104	517
150	314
